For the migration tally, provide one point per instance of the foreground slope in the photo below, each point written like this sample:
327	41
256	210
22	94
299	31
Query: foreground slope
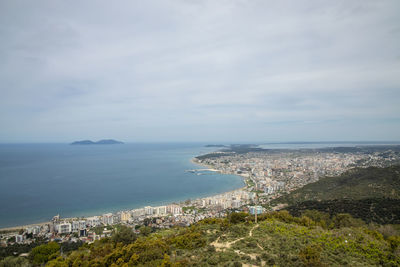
277	239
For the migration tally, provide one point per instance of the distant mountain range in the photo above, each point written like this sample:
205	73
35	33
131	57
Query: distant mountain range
100	142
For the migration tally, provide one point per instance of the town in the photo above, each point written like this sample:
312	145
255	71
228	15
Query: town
267	175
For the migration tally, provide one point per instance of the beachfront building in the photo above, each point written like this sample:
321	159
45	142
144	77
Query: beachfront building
161	210
93	221
77	225
125	216
138	212
148	210
64	228
108	219
174	209
35	230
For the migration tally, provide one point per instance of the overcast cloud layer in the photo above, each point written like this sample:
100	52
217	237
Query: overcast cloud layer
199	70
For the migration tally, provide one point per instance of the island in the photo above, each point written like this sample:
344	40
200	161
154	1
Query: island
215	146
100	142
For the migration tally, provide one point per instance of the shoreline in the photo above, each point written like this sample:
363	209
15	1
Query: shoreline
192	160
14	228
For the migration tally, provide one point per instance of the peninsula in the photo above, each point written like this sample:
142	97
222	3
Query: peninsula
100	142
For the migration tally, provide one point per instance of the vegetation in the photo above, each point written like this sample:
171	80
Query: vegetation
17	249
124	235
360	229
378	210
14	261
371	194
358	183
312	239
43	253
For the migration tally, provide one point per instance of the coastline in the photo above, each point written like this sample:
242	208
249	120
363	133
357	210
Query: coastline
212	168
192	160
14	228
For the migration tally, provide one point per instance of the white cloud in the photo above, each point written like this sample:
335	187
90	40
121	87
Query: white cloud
130	68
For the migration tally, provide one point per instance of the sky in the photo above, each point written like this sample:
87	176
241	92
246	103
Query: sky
207	71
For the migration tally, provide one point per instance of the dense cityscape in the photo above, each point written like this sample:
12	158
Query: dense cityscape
267	175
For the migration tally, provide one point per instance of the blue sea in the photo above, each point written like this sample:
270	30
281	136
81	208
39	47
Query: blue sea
38	181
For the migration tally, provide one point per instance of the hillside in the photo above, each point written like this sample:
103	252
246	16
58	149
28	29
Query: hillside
377	210
356	184
277	239
371	194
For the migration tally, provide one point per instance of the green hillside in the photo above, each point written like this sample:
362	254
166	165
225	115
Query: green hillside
278	239
377	210
358	183
371	194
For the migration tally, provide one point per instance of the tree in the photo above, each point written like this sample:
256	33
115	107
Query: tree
58	262
237	217
346	220
14	261
145	230
124	235
44	253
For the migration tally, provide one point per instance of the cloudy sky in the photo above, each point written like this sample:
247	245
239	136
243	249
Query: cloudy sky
199	70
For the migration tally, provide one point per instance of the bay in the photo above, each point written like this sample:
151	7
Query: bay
38	181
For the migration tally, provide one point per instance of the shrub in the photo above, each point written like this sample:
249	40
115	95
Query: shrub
124	235
237	217
43	253
14	261
346	220
311	256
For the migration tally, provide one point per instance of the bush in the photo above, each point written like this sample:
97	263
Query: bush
44	253
14	261
188	239
311	256
346	220
124	235
237	217
387	230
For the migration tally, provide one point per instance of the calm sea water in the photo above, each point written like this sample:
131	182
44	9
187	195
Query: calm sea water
38	181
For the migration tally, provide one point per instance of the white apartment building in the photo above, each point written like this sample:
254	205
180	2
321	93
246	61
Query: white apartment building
64	228
148	210
108	219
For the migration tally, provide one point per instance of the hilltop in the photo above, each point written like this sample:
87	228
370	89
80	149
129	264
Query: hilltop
100	142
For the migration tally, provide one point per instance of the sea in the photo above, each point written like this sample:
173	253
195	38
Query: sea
39	181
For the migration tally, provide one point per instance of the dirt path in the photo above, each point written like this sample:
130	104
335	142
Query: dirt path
220	246
225	245
251	230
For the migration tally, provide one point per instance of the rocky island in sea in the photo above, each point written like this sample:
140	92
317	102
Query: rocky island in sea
100	142
212	145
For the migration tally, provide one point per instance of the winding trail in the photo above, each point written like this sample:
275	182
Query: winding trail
251	230
222	246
